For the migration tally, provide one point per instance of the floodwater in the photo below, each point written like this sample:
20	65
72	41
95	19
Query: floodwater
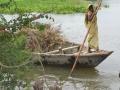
106	75
74	30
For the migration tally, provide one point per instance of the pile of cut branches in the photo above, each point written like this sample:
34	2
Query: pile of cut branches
44	41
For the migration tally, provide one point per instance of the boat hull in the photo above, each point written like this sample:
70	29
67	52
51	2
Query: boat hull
84	60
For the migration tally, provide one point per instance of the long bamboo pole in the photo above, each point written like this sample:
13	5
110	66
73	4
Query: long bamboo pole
81	46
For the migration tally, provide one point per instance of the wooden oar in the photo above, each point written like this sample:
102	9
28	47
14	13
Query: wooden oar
81	46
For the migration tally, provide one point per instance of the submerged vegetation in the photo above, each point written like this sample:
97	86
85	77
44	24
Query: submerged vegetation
19	38
43	6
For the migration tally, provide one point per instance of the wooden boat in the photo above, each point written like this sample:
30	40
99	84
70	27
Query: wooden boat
67	56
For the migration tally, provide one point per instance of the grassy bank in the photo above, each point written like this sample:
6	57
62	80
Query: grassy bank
44	6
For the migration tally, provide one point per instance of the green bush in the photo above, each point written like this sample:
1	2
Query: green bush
12	49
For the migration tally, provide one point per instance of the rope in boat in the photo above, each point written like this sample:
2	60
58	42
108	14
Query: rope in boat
28	60
81	46
17	66
38	47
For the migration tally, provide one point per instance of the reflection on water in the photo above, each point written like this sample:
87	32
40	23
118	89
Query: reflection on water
81	79
108	22
7	81
10	81
85	79
85	85
103	77
63	72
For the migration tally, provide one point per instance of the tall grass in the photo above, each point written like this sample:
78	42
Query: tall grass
47	6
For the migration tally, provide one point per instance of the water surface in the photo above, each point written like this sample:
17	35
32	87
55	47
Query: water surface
104	76
73	29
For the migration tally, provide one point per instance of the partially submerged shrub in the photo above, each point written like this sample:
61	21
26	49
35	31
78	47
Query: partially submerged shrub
16	46
12	50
